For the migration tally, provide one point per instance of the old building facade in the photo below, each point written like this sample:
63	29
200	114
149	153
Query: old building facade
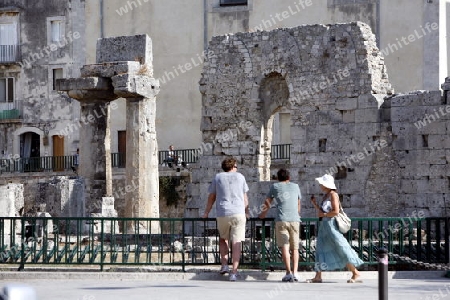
40	41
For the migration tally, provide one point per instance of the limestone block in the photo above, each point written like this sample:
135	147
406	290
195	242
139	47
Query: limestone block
417	172
11	199
85	83
436	157
438	141
407	140
135	86
108	209
116	68
368	115
347	104
47	223
417	98
440	171
348	116
431	200
408	186
408	114
125	48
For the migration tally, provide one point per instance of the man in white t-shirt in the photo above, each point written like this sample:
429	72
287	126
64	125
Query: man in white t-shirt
229	190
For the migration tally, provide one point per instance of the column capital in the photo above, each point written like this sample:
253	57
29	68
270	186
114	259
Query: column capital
135	86
87	88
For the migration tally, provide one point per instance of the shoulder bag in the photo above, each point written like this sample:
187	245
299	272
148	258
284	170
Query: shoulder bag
343	222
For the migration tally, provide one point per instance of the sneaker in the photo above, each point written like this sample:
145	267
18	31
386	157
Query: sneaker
295	278
233	277
287	278
224	269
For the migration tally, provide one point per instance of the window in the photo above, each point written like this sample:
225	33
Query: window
8	42
232	2
57	74
56	31
7	89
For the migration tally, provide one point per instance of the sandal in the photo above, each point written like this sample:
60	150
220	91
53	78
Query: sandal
351	280
314	280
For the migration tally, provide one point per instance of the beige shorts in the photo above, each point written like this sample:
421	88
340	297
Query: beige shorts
288	234
232	227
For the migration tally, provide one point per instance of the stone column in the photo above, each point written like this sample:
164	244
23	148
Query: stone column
94	164
142	159
142	176
94	94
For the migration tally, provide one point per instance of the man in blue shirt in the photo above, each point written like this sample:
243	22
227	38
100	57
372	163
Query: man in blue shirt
229	190
287	200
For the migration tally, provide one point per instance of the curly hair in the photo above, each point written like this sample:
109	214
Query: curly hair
228	164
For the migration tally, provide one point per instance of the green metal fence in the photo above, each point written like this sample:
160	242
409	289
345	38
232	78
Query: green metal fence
189	241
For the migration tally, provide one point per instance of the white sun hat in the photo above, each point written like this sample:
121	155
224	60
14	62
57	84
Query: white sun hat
327	181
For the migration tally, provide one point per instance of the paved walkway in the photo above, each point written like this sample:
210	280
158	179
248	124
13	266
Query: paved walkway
210	285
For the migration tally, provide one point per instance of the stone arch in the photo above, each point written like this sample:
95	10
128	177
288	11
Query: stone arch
23	130
274	94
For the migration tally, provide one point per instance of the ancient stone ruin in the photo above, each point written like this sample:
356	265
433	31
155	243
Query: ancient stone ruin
123	70
345	120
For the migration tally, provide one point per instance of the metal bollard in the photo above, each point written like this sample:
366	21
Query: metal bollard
383	263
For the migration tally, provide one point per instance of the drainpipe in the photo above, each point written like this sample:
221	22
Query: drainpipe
378	20
102	28
205	24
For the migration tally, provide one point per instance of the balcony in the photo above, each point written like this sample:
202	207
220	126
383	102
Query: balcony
10	54
282	151
11	110
233	2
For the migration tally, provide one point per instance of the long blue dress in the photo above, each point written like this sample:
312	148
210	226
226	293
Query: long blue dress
333	252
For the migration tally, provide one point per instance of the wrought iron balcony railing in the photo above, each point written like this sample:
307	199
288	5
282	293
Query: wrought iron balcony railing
65	163
11	110
10	53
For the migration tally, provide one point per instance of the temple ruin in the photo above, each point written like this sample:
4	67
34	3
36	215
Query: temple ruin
389	153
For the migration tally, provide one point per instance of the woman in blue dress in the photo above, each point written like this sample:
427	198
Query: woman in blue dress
333	252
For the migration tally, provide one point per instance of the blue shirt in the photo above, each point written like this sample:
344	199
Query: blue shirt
285	196
229	188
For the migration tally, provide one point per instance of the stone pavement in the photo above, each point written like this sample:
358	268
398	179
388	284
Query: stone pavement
255	284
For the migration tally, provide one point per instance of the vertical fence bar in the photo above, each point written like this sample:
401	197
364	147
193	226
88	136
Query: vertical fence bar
22	243
102	239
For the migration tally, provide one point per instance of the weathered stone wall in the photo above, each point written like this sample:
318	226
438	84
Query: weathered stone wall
63	195
334	82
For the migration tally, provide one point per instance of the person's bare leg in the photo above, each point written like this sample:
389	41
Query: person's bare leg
317	278
236	255
223	249
294	261
286	256
318	275
355	272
